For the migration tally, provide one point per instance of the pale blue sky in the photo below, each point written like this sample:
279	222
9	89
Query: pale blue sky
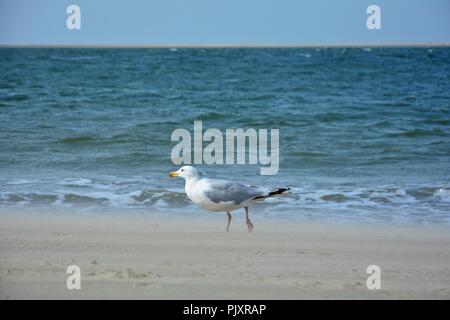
223	22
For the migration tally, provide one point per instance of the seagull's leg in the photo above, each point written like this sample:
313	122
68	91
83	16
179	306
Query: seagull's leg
247	221
229	221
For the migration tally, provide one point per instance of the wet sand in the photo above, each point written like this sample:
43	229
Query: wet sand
138	257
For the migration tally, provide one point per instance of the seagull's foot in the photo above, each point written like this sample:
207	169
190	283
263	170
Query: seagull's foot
250	226
229	221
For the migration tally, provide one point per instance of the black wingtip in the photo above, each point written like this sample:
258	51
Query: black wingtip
273	193
279	191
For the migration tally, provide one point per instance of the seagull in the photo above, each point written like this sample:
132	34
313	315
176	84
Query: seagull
222	195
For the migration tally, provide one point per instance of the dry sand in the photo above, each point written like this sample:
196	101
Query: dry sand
179	258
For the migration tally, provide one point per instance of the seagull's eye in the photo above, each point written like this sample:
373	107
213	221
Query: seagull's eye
182	170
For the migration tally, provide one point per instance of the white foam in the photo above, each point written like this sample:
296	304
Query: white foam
443	194
75	182
20	182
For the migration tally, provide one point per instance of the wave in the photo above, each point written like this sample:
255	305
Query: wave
131	158
77	140
75	58
417	133
15	98
335	197
136	199
330	117
305	154
115	139
424	203
75	182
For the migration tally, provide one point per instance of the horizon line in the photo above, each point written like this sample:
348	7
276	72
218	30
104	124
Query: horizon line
232	45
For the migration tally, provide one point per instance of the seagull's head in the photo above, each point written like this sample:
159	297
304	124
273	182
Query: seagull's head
186	172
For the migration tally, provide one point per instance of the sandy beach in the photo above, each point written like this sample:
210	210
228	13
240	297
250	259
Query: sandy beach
181	258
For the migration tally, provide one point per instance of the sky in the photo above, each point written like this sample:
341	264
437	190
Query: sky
219	22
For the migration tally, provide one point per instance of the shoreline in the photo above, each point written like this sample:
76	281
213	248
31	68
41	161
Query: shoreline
194	258
219	218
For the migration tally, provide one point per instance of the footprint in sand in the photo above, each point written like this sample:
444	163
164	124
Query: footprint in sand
324	253
198	273
129	274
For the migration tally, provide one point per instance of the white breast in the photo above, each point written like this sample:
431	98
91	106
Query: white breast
195	192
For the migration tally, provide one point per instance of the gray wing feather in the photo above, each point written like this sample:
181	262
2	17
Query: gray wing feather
226	191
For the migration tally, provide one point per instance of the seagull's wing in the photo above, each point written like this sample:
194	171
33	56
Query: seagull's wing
226	191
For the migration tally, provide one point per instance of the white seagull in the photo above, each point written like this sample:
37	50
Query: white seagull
222	195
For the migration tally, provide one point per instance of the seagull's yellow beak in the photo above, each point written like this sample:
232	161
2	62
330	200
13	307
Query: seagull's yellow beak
173	174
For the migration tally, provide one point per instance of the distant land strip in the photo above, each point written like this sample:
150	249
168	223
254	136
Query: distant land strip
231	45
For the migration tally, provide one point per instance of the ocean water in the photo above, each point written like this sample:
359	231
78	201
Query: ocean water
364	132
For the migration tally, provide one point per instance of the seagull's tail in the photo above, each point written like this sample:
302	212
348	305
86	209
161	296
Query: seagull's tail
273	193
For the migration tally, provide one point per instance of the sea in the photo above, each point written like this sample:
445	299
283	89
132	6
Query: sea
364	133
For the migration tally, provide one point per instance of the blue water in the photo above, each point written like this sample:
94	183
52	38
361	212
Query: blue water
364	133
